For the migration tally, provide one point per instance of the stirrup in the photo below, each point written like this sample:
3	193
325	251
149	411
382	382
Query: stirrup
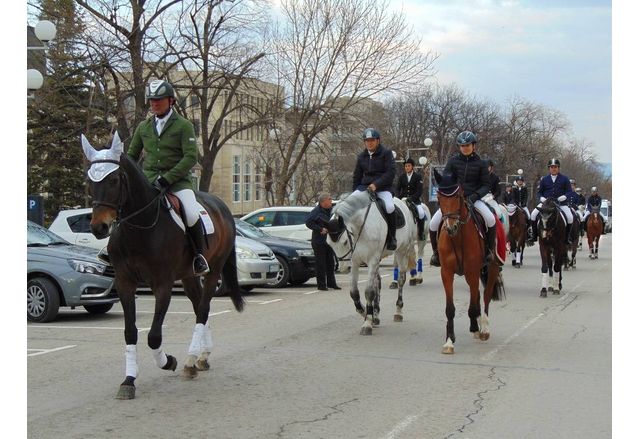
200	265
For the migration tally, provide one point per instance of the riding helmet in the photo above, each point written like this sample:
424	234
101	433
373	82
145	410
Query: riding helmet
410	162
519	178
159	89
553	162
466	137
572	181
578	190
594	189
370	133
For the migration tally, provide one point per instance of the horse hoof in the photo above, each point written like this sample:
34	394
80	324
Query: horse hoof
126	392
376	321
476	334
203	365
397	317
447	350
366	330
189	372
393	285
412	282
418	281
484	336
172	363
543	293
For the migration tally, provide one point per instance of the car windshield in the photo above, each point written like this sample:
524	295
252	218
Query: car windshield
39	236
250	231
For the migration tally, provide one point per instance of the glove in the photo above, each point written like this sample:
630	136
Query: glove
473	198
161	184
561	198
543	199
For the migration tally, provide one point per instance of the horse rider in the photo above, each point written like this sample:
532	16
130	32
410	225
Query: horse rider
494	180
557	187
410	186
375	171
573	198
594	201
581	200
170	151
521	199
473	174
507	196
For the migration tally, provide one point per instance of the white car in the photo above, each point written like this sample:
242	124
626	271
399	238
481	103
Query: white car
257	264
283	221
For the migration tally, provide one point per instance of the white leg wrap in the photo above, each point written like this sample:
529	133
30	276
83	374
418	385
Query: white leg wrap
131	361
545	280
197	340
208	339
160	357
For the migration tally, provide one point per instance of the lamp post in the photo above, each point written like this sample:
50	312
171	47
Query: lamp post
45	31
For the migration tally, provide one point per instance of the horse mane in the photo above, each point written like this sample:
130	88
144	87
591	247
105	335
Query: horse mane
133	170
353	203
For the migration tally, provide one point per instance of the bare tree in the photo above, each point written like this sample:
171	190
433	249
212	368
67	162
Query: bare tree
328	56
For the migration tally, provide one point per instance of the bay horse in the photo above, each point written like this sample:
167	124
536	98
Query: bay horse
358	228
462	252
147	245
517	233
553	250
594	230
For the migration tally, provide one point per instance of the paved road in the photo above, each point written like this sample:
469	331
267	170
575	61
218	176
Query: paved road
293	365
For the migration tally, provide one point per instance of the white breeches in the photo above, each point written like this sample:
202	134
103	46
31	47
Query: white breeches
565	209
421	213
386	198
191	206
480	207
526	210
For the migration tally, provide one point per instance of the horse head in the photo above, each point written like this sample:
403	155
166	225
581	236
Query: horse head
451	199
336	227
549	218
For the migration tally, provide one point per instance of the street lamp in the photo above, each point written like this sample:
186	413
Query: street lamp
45	31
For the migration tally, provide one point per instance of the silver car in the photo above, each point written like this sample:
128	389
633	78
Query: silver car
63	274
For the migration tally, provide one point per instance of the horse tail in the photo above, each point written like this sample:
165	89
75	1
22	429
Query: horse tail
230	275
498	293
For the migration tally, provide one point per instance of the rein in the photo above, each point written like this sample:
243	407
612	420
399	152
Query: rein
352	245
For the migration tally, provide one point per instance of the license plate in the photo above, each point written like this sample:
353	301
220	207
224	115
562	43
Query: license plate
273	268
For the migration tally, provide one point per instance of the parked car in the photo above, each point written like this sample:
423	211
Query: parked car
62	274
257	265
296	256
283	221
605	211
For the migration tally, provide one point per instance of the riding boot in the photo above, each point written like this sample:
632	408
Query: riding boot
529	230
490	242
534	233
421	236
200	265
435	258
567	234
391	231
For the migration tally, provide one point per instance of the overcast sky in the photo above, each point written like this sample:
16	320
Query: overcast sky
552	52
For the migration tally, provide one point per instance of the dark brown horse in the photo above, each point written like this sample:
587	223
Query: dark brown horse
553	250
517	233
594	230
572	249
146	245
461	250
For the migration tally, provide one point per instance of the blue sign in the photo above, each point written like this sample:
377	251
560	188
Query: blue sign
35	209
433	186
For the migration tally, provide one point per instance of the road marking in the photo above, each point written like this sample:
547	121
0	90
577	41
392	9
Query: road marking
81	327
48	351
360	281
400	427
266	302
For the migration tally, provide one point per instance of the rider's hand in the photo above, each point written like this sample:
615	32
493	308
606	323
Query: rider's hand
543	199
323	231
561	198
161	184
372	187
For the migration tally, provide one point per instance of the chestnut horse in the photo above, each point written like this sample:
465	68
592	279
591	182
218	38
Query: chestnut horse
147	245
594	230
462	251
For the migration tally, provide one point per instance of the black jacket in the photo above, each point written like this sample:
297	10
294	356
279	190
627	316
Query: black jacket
471	171
494	186
507	197
379	169
594	200
520	196
316	220
410	189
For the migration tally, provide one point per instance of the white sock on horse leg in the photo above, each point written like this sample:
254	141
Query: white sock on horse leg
160	357
131	360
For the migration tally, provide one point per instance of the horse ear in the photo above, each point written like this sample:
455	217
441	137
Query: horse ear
89	150
437	176
116	144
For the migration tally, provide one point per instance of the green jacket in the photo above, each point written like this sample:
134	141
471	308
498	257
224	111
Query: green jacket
171	155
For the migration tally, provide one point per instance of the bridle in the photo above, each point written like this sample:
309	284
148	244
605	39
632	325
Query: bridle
455	225
352	243
124	193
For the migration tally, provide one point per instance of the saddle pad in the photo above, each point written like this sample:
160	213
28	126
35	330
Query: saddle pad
511	209
207	223
400	220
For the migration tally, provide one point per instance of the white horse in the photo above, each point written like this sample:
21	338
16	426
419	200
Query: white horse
357	228
416	260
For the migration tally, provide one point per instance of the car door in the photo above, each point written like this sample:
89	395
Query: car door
80	226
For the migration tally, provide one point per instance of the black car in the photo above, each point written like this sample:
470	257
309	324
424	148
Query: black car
295	256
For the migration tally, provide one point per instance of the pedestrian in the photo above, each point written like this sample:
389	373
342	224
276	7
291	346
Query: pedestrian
317	221
170	151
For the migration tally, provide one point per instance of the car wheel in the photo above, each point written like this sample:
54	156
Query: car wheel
99	309
282	278
43	300
299	281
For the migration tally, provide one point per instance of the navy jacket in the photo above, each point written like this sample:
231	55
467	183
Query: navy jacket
594	200
574	199
520	196
410	189
550	189
379	169
316	220
470	171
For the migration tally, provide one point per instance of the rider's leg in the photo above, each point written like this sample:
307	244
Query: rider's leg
534	226
195	228
390	210
421	218
434	225
490	221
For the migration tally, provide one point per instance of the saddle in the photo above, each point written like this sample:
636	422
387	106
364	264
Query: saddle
400	220
413	209
481	226
173	204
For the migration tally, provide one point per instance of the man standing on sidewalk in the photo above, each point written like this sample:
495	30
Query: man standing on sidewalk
317	221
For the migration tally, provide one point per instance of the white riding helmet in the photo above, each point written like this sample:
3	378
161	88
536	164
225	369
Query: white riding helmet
594	189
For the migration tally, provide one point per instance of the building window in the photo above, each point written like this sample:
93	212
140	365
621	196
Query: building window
258	184
236	179
247	180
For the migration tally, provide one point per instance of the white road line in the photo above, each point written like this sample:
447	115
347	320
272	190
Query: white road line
360	281
266	302
81	327
47	351
400	427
